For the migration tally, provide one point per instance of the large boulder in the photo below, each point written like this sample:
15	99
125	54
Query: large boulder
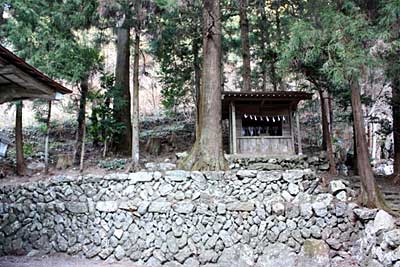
275	255
240	255
314	253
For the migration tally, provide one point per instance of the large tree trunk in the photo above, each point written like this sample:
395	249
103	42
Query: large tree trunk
327	134
135	97
396	126
197	76
207	152
122	105
84	87
244	35
19	143
371	195
263	44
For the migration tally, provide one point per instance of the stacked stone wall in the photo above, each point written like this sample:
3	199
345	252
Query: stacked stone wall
235	218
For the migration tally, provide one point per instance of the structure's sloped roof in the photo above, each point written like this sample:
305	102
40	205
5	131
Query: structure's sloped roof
19	80
277	95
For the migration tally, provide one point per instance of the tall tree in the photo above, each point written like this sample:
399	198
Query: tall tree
135	97
207	152
122	102
245	45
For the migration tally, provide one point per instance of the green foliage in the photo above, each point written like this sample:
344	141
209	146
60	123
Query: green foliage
49	35
177	47
103	126
115	164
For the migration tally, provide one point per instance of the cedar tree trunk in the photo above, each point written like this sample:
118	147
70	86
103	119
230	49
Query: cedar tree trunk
327	134
81	120
207	152
135	97
19	143
244	36
370	196
197	75
263	40
122	105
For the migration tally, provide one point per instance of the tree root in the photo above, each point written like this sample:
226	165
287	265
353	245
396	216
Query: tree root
199	161
378	202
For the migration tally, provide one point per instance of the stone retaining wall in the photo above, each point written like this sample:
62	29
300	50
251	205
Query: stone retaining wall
315	162
243	218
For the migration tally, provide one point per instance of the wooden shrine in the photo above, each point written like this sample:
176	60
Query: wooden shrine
20	81
262	123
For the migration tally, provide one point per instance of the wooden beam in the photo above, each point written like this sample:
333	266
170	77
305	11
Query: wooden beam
23	79
13	92
291	130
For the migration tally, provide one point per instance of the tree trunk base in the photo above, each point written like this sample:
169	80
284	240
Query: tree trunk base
133	167
378	201
197	161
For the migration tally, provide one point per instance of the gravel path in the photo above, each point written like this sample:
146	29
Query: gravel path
57	261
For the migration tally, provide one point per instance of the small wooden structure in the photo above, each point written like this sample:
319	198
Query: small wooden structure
19	80
262	124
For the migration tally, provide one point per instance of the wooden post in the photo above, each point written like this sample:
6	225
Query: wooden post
46	144
234	149
291	128
299	145
230	130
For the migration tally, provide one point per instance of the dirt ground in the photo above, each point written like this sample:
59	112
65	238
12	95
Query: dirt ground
58	260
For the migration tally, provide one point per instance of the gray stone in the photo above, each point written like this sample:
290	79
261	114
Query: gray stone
226	238
246	174
392	238
177	175
306	210
184	207
207	256
165	189
118	233
269	176
119	253
172	244
105	253
143	206
140	177
292	176
383	221
365	213
240	255
277	255
278	208
241	206
342	196
293	189
183	254
336	186
320	209
314	253
107	206
93	252
77	207
221	208
191	262
159	207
